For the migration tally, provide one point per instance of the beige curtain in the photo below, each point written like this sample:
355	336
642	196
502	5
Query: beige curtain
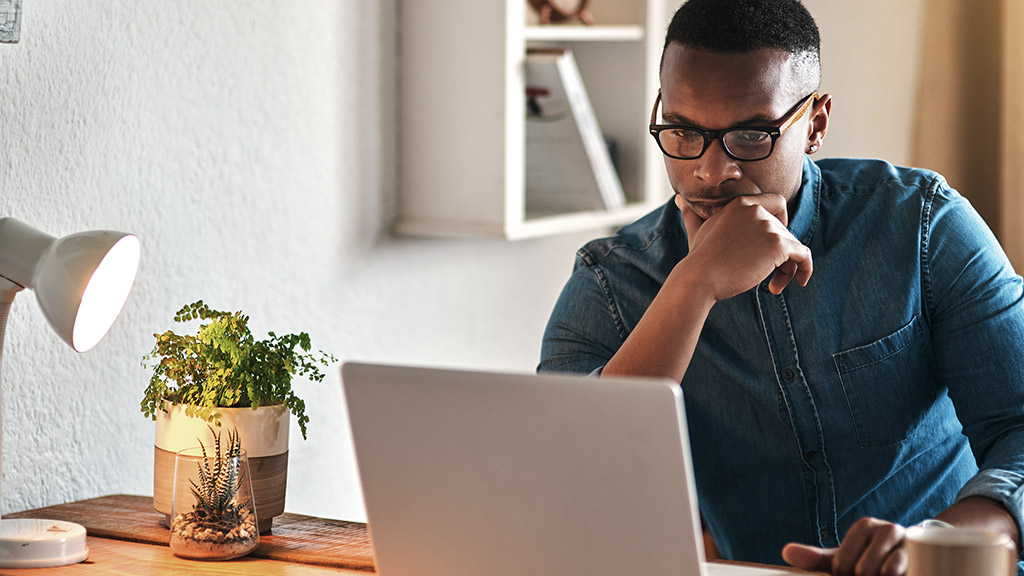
969	121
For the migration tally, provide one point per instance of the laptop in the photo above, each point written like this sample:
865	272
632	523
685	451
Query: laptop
470	473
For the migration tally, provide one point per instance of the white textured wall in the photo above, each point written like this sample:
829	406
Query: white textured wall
250	145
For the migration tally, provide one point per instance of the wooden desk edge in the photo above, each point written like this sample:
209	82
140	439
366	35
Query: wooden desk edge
127	553
131	518
789	569
108	556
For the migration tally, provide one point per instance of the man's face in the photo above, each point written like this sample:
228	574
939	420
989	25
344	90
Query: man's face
715	91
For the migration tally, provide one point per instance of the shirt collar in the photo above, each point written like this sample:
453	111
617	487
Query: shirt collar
804	218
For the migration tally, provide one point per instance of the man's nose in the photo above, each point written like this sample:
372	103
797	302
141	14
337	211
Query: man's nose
715	166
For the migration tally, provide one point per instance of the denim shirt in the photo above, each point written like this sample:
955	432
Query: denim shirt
879	389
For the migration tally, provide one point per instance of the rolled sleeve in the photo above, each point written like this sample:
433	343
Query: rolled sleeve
1002	486
581	334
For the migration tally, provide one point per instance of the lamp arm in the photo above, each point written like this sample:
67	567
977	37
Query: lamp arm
7	291
24	247
62	274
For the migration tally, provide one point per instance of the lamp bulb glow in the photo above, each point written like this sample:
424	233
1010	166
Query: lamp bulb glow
106	293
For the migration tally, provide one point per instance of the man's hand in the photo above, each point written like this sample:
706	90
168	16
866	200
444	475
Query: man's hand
872	547
744	243
730	253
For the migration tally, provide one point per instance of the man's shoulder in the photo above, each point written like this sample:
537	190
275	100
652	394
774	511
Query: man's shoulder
858	176
647	239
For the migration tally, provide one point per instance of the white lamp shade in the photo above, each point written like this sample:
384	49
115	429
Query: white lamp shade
81	281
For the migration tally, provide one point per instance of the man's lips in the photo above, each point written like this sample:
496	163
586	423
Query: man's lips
707	208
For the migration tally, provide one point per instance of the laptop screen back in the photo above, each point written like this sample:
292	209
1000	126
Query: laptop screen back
470	473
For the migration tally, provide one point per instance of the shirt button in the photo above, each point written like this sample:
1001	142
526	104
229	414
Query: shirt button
788	374
764	285
823	534
811	456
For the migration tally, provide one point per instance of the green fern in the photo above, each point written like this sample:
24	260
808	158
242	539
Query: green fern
222	365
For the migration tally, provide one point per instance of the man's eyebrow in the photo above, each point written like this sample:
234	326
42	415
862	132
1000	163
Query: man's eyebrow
755	120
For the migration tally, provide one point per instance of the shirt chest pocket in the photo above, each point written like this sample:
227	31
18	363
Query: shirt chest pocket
887	384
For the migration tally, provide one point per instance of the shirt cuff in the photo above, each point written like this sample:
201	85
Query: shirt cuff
1002	486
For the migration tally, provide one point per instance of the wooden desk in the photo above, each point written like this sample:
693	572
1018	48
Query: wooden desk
125	537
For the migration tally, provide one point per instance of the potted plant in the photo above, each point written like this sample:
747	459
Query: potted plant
222	375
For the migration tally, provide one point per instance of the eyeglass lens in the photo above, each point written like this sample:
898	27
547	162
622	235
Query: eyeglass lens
743	144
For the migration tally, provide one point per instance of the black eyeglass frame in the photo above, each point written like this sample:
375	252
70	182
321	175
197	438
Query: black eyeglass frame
774	132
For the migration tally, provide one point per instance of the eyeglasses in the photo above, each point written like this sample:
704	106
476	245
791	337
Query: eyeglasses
745	143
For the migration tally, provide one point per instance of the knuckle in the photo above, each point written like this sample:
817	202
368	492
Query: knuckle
866	523
892	531
766	224
748	209
779	244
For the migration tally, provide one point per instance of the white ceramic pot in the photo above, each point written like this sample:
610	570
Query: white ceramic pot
264	436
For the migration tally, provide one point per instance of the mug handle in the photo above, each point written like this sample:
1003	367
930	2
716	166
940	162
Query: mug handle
1012	551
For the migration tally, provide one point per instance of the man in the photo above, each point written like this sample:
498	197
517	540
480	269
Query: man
848	334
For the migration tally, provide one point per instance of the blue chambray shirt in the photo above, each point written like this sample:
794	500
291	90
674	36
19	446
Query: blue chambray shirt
877	390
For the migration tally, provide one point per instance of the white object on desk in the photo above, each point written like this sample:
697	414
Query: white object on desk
26	543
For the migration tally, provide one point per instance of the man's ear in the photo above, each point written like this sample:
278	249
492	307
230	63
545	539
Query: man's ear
819	122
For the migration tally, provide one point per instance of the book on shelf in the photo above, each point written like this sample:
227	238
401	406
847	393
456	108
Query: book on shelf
568	165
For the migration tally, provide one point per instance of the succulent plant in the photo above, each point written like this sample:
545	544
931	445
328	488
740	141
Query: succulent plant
219	481
222	521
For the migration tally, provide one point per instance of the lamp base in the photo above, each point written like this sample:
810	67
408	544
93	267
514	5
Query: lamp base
32	543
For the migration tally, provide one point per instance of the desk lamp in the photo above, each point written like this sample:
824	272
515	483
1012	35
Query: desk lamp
81	282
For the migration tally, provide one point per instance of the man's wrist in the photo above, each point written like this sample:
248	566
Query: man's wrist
693	282
982	512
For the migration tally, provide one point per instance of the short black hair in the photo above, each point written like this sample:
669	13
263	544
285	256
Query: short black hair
745	26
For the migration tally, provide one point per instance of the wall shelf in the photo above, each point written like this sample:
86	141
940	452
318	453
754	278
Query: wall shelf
573	33
462	112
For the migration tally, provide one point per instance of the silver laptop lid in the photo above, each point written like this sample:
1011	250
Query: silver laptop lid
488	474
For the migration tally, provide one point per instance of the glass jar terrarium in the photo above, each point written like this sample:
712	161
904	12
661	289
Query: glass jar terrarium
212	512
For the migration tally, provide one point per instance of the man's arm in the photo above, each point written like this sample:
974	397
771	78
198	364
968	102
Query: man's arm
874	546
663	342
976	308
983	513
730	253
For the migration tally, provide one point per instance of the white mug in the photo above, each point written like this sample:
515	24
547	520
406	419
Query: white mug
959	552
